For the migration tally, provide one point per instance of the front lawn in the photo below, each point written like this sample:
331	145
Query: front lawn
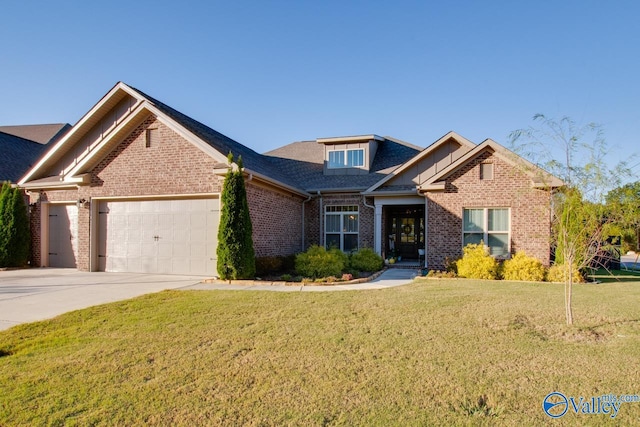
443	352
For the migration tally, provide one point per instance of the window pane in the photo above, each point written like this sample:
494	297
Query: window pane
355	158
499	244
350	242
472	238
332	241
473	220
351	223
336	159
332	224
498	219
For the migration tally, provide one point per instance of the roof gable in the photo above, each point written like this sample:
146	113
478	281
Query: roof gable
427	162
539	177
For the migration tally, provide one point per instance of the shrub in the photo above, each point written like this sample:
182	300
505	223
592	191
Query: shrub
559	273
286	277
366	259
523	267
318	262
476	263
441	274
14	227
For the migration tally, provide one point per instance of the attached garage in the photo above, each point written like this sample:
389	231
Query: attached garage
162	236
62	232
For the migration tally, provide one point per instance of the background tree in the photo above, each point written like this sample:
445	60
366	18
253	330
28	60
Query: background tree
625	201
236	257
14	228
577	155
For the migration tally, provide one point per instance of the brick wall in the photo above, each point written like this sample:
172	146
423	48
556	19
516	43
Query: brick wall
510	187
276	218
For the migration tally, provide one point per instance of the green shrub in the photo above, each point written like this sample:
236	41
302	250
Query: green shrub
476	263
14	227
286	277
523	267
318	262
366	259
559	273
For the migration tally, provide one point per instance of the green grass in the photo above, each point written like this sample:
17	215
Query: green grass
436	352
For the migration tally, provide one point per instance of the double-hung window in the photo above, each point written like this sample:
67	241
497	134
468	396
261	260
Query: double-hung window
346	158
490	226
341	227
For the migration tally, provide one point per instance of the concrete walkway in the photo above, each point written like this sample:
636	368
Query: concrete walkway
388	279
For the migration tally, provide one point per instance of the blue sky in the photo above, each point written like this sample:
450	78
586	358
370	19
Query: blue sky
268	73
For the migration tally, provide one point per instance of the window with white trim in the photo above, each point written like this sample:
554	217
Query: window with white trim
488	225
341	227
346	158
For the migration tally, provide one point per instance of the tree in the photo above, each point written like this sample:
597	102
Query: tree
625	201
14	228
581	224
236	258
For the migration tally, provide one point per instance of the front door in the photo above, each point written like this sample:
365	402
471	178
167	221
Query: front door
407	231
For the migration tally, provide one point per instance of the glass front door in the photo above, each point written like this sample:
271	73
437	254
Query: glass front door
406	232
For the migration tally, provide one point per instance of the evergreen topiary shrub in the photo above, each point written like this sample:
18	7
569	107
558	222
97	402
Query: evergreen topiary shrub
14	227
236	258
476	263
366	259
523	267
318	262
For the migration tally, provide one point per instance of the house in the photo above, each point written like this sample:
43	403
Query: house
20	147
135	186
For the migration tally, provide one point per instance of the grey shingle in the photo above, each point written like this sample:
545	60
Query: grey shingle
17	155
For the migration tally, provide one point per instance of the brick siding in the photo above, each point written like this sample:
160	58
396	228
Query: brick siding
510	187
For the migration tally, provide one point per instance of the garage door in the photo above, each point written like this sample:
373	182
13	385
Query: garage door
159	236
63	236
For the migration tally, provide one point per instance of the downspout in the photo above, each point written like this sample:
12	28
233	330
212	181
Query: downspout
320	225
302	242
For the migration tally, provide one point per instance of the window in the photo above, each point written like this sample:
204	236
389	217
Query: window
486	171
488	225
341	227
354	158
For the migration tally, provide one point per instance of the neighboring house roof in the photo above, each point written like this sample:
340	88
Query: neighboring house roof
17	155
42	134
304	163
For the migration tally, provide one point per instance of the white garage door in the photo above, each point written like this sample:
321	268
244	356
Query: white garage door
159	236
63	235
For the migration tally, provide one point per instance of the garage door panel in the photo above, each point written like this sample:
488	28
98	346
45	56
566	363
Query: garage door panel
159	236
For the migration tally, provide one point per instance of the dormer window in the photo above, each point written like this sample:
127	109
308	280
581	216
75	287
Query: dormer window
346	158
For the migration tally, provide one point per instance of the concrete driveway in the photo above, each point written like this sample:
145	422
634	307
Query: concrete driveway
42	293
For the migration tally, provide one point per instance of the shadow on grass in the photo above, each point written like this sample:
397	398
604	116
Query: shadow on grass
616	276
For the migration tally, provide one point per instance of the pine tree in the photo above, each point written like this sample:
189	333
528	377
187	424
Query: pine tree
236	258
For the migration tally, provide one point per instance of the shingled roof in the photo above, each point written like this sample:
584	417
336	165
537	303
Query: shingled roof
17	155
251	160
305	161
42	134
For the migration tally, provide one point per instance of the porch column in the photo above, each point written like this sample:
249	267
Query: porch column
377	229
426	230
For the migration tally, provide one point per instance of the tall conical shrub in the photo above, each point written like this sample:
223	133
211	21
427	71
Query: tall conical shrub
14	228
236	258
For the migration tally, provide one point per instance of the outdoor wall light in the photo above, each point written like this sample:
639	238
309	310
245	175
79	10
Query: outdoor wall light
82	203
